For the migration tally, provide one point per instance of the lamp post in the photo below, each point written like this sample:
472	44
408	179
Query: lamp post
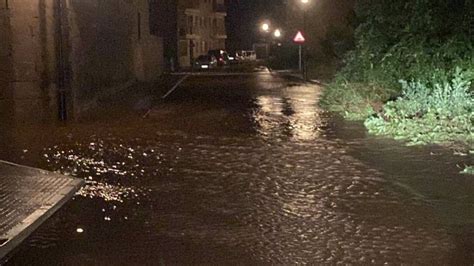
268	33
305	70
265	27
305	3
277	34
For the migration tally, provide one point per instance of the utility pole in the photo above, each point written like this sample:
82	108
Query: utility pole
305	67
305	4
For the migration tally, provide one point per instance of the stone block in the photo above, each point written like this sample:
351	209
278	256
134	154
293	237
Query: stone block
27	90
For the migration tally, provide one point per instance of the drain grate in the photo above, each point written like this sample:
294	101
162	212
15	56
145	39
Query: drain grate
27	198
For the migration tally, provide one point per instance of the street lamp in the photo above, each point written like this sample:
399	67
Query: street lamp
265	27
277	33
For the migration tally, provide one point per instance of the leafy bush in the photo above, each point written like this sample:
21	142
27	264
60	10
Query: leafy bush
400	39
469	170
427	42
355	101
439	113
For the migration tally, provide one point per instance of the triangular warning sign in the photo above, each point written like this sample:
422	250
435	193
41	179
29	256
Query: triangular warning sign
299	38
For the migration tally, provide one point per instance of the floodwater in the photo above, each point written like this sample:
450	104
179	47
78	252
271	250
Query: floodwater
243	170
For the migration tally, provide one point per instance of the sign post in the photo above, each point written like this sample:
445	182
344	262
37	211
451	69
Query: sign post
300	40
301	58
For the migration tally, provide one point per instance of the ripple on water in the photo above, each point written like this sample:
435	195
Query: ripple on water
280	202
292	198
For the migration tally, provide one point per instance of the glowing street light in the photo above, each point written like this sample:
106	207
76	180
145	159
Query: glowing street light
265	27
277	33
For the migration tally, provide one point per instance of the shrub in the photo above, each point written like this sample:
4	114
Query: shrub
355	101
430	112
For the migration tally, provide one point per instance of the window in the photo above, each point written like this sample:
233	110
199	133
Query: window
183	48
190	25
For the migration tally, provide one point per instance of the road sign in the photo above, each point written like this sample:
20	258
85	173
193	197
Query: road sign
299	38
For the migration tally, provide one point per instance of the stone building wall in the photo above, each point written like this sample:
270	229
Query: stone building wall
201	27
5	51
110	44
148	47
105	44
28	57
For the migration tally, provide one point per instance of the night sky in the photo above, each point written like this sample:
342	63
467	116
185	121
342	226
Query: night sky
245	16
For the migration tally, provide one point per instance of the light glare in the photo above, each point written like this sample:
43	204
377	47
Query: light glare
277	33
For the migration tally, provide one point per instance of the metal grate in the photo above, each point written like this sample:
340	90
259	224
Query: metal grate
29	196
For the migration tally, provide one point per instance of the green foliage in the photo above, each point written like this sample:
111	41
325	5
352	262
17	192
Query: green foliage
440	113
427	42
469	170
410	40
354	100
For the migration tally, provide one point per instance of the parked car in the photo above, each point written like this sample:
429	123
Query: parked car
247	55
235	58
205	62
221	56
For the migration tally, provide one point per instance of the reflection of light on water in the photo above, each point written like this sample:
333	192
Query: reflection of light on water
265	117
296	114
107	192
105	167
306	120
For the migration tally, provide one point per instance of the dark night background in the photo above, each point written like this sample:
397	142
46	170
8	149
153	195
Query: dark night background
324	17
243	19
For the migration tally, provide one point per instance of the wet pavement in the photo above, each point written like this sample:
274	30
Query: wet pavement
243	170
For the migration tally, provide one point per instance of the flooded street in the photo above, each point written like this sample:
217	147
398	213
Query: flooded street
243	170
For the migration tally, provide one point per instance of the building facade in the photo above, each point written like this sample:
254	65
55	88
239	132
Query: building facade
55	52
201	27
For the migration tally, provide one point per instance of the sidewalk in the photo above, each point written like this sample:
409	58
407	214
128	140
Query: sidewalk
28	197
134	98
295	74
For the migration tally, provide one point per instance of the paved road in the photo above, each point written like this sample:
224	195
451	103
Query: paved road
246	170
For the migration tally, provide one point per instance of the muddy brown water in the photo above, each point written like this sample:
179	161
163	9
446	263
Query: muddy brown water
243	170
